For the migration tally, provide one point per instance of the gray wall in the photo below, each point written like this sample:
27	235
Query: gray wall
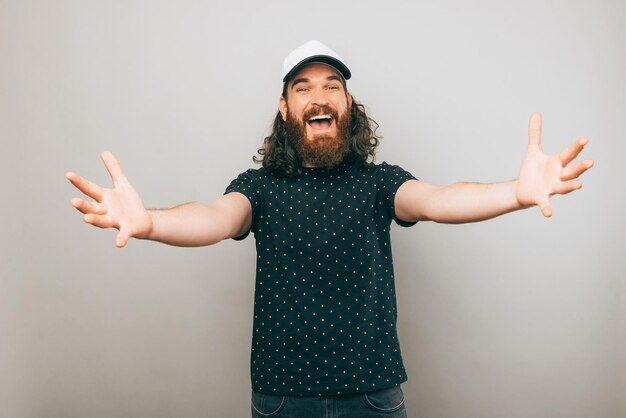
515	317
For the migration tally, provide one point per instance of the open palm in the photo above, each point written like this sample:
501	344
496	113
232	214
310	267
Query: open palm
119	207
542	176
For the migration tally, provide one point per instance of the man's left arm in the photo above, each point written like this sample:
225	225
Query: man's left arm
541	176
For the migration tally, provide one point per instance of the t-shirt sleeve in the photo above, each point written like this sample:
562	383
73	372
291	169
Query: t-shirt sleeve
247	183
392	177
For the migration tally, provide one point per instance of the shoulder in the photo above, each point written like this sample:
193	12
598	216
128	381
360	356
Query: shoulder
255	174
386	167
390	177
385	170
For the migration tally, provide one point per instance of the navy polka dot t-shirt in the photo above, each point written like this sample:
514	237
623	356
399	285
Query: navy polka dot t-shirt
325	303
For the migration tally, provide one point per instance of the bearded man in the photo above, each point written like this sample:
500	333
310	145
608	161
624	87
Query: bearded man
324	338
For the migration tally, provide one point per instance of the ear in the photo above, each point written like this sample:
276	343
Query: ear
349	97
282	108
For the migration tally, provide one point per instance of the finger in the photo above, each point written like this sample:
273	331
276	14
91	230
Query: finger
545	207
101	221
574	171
87	207
568	186
113	167
89	188
534	131
571	152
121	240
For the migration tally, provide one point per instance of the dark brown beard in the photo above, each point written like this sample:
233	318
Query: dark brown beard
321	151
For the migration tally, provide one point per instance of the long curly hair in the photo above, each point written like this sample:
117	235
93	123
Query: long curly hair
279	156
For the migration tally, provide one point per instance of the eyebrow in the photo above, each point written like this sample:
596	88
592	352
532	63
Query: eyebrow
306	80
299	80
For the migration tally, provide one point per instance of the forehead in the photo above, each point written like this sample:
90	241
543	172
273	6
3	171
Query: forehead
315	70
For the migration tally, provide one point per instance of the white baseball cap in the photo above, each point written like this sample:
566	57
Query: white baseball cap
313	51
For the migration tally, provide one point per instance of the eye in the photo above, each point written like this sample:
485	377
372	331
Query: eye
333	88
301	89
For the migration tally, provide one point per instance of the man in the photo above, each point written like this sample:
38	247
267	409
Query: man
324	334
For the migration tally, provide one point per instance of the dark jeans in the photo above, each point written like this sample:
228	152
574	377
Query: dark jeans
388	403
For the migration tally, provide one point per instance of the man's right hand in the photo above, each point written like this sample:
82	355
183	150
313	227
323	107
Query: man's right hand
119	207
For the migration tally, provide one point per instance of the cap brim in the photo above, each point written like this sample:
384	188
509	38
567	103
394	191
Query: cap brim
345	72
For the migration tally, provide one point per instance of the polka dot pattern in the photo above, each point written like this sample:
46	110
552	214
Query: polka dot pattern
325	303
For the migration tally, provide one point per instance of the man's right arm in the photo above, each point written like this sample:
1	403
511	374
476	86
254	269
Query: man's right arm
198	224
191	224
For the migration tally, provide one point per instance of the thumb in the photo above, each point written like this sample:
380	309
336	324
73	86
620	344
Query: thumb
121	240
534	130
545	207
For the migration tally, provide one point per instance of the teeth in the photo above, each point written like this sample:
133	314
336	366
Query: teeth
320	117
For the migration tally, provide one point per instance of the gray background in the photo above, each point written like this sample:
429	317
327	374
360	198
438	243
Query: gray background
515	317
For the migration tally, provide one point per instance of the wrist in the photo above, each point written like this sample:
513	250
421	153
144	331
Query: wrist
520	200
150	233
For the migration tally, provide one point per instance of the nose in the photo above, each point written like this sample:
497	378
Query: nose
319	97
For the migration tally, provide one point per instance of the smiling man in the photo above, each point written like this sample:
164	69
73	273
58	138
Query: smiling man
317	117
324	338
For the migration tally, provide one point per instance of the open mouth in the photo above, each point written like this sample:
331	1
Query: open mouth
320	122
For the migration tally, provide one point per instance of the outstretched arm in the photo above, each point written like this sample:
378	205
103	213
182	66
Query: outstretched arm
191	224
541	176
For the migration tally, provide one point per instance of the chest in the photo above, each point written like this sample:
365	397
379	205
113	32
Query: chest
321	217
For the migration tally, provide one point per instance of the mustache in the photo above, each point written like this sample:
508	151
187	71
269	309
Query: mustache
320	110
